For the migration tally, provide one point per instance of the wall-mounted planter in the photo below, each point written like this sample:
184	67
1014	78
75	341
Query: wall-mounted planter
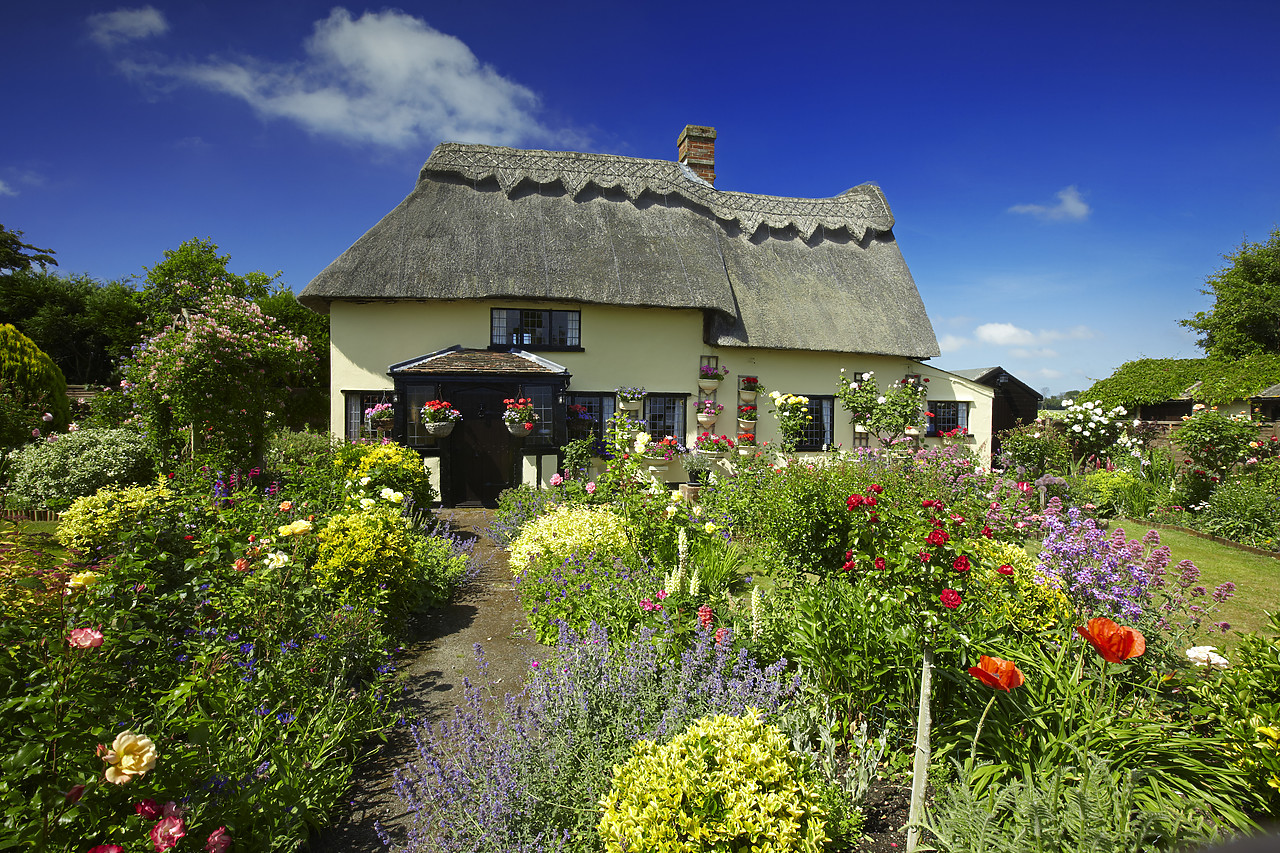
708	385
747	396
859	428
706	420
746	426
629	405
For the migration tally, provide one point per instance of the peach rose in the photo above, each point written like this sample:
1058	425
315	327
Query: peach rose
130	755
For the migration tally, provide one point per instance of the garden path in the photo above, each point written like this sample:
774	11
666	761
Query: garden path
438	653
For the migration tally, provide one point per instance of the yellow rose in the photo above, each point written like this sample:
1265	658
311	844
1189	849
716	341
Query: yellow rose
710	528
297	528
83	580
131	755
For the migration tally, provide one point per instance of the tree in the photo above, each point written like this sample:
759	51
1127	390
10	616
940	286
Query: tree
85	326
310	403
190	272
31	386
223	371
1245	318
16	256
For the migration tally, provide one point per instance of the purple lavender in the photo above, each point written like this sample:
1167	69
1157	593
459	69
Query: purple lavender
527	776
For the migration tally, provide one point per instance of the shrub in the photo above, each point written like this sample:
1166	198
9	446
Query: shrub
725	781
1214	442
1242	510
1020	597
54	473
103	519
518	506
303	462
374	554
568	530
392	466
529	775
1113	492
34	383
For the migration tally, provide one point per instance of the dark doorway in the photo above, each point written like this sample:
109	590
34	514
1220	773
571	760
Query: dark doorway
482	457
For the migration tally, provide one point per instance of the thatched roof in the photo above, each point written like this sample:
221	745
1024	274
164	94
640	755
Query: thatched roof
499	223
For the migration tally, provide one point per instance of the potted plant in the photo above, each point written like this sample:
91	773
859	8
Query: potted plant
658	452
708	411
749	386
579	419
699	466
379	418
747	418
713	446
746	443
629	398
709	377
519	416
438	418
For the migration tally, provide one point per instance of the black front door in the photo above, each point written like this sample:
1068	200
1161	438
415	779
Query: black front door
482	457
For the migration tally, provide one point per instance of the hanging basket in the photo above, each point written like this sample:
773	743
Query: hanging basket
708	384
518	430
440	429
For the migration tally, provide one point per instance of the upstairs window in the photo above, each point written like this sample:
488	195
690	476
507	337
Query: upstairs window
526	327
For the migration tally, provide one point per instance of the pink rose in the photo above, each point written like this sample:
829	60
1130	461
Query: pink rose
591	488
148	809
556	479
105	848
84	638
219	841
167	833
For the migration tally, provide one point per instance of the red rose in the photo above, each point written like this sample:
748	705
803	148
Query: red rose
167	833
986	531
961	563
950	598
938	538
148	809
1006	569
875	488
880	563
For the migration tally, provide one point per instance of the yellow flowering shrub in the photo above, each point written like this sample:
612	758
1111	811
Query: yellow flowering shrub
1015	598
364	552
392	466
566	530
101	519
725	783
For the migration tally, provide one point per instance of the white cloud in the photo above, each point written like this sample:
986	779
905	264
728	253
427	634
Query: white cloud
1049	373
1075	333
1019	352
111	28
5	189
1004	335
1070	208
385	78
951	343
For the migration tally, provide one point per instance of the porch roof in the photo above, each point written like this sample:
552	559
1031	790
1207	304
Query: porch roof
456	360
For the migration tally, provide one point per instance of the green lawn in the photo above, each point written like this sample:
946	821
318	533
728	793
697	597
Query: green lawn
1257	578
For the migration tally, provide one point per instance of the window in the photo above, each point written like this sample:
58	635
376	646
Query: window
600	406
818	435
543	399
664	415
947	416
356	403
532	327
416	397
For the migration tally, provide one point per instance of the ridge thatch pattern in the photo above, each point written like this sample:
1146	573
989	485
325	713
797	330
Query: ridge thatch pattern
487	223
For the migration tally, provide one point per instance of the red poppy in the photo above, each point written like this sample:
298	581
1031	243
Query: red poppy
1006	569
950	598
1114	642
961	563
1000	674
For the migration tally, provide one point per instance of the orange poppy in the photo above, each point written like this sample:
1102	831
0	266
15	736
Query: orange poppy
1114	642
1000	674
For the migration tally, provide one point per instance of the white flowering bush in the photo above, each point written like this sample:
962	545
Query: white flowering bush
1092	430
569	530
53	473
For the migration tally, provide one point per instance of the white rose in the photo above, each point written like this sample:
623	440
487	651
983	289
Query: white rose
1206	656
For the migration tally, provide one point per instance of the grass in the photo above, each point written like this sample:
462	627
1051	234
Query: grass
1257	577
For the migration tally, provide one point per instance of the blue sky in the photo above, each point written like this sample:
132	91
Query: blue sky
1063	177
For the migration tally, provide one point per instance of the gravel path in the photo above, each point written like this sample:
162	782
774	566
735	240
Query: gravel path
439	652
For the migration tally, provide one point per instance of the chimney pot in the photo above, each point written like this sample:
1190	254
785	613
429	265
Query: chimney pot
696	148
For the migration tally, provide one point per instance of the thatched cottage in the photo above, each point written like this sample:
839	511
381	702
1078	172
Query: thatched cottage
560	276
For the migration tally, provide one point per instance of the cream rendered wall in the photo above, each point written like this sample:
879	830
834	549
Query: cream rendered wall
657	348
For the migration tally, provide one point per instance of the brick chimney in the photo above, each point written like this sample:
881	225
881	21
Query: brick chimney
697	149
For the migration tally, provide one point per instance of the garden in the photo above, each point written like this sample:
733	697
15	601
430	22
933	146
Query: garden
202	647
